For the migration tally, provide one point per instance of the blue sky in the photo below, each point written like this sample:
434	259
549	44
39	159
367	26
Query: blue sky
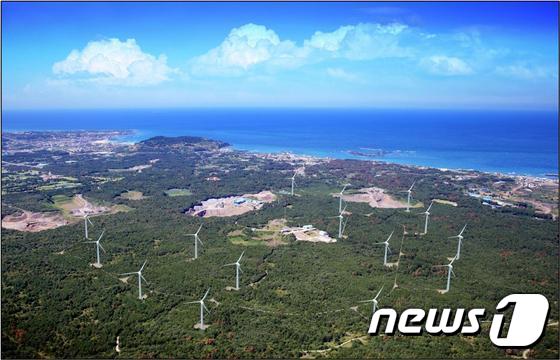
384	55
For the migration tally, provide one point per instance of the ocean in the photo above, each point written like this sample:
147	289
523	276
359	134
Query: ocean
515	142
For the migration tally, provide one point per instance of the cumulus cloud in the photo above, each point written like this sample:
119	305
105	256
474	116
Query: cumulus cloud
446	65
254	45
114	62
244	48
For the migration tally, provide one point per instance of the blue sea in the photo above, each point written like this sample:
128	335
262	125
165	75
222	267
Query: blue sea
520	142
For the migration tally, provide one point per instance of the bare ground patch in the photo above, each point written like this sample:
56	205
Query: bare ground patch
232	205
33	221
376	198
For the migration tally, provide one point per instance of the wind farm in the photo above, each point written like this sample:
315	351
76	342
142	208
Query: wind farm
304	266
253	180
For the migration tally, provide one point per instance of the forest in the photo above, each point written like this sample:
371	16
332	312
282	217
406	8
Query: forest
299	299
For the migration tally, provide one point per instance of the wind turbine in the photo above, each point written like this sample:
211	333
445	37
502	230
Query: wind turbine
140	278
340	218
196	241
340	198
202	308
409	196
293	182
374	301
386	243
237	270
449	272
86	220
427	213
98	246
460	241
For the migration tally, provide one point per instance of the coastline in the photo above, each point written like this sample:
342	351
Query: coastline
135	136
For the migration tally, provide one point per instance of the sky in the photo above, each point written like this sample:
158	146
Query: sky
345	55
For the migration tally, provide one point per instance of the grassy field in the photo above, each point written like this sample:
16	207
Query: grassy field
178	192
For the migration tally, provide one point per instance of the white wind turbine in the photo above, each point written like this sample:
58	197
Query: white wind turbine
237	270
459	242
202	308
98	246
86	220
449	272
427	213
196	241
140	278
340	220
409	196
386	243
293	182
374	301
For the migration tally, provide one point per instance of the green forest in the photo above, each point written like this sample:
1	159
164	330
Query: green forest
299	299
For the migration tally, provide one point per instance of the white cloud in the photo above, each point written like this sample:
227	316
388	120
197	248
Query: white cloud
114	62
251	45
242	49
361	41
446	65
342	74
526	72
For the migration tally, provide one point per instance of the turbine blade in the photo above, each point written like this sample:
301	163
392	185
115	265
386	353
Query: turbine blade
344	225
129	273
389	238
429	207
238	260
143	278
229	264
89	221
194	302
240	269
389	249
102	248
200	227
205	294
464	227
89	242
365	301
102	233
411	186
200	241
379	292
205	308
144	264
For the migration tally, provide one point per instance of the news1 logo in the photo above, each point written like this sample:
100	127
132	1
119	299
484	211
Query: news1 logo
526	327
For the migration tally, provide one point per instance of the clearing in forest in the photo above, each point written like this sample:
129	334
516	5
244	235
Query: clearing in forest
232	205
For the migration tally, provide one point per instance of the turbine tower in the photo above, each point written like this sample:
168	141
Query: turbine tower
98	246
449	272
293	182
237	270
386	243
459	242
86	220
140	278
427	213
374	301
196	241
409	196
340	219
202	308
